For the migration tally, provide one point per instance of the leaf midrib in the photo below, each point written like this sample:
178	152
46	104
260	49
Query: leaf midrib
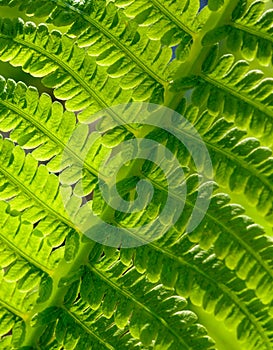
13	309
173	19
88	330
251	30
240	96
28	258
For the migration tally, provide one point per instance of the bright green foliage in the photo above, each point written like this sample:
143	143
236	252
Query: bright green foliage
61	290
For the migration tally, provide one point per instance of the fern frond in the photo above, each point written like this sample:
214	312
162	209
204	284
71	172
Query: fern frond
34	122
219	234
152	274
179	264
24	280
207	282
233	301
266	281
220	224
12	329
106	32
163	22
63	329
86	295
238	93
251	32
140	41
33	194
241	164
128	305
201	277
239	254
74	75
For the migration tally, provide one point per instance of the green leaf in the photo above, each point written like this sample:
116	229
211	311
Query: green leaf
71	246
216	35
215	5
45	290
184	83
213	66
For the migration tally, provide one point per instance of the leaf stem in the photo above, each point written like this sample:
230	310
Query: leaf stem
198	53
